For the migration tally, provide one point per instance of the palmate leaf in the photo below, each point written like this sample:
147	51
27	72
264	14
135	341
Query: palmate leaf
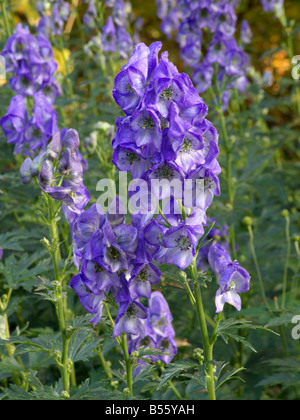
18	272
226	330
11	240
83	345
176	369
229	375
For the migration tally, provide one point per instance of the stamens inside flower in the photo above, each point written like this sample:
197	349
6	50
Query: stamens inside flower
184	243
165	172
187	146
131	311
165	344
143	275
98	268
146	341
232	286
131	157
113	253
147	124
167	94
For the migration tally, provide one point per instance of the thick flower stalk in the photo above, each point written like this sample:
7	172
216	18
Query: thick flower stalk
31	119
164	138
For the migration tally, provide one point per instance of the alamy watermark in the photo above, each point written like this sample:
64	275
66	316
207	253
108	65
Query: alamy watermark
296	67
296	329
144	196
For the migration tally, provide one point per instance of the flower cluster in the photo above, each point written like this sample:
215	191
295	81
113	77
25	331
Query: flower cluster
59	168
206	38
170	16
113	258
89	19
54	15
115	33
170	149
31	119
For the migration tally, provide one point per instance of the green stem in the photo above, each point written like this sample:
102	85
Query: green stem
129	364
258	272
287	262
5	17
174	389
208	347
104	364
65	372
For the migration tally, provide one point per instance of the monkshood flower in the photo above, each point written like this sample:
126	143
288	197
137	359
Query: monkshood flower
1	253
160	319
232	278
90	15
219	234
246	33
130	312
109	36
59	168
272	5
156	331
92	302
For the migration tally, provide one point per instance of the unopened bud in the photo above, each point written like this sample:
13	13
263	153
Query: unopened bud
285	213
247	221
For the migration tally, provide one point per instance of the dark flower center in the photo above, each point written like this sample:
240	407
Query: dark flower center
165	344
131	311
132	157
204	13
113	253
98	268
184	243
187	146
167	94
165	172
146	341
143	275
148	124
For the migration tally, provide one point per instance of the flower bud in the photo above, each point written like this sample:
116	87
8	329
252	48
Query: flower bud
37	164
47	173
71	141
65	162
247	221
25	172
54	147
285	213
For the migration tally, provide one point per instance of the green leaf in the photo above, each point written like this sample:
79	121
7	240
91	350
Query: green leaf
175	369
226	331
